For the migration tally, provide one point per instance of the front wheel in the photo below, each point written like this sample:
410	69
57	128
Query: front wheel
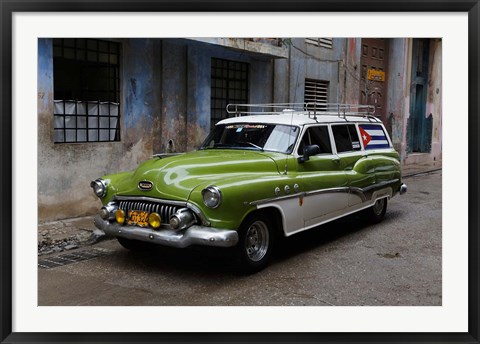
255	243
376	213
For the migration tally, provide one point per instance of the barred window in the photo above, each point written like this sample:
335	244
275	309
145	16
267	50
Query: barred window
86	90
229	86
320	42
316	91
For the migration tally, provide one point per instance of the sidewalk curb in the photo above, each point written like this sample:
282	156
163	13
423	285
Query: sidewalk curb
67	234
413	174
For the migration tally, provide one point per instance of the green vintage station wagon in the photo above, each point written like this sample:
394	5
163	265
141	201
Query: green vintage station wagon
270	170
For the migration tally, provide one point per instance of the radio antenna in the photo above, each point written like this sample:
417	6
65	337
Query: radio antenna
289	137
291	120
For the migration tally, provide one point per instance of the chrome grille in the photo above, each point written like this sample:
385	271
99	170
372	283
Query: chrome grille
164	210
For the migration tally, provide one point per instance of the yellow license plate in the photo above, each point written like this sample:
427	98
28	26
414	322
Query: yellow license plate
138	217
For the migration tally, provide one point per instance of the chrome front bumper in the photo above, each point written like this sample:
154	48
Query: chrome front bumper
194	235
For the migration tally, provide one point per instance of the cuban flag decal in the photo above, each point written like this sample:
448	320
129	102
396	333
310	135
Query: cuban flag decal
373	136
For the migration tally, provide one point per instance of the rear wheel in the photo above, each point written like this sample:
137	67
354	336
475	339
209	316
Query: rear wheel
376	213
255	243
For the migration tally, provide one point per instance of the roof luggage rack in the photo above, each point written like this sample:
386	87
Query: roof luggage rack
311	109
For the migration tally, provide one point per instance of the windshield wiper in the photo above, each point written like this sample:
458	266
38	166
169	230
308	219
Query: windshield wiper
249	144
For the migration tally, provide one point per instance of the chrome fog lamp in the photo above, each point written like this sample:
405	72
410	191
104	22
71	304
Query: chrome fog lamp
99	187
108	211
212	196
182	219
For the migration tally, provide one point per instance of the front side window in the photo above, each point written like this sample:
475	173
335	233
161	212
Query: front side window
346	138
316	136
86	90
253	136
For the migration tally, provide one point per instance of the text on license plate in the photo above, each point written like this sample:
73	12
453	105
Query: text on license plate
138	217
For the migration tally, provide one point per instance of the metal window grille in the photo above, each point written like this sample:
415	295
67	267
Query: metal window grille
320	42
229	86
316	91
86	90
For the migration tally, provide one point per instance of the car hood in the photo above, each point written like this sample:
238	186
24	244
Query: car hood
175	177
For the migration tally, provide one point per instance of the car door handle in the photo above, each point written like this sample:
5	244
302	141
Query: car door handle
336	159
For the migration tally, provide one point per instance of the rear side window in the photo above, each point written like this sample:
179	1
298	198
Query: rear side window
373	136
316	136
346	138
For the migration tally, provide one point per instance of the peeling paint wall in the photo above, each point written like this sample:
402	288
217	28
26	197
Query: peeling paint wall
174	97
65	170
398	91
186	89
352	68
281	76
199	93
313	62
434	97
398	101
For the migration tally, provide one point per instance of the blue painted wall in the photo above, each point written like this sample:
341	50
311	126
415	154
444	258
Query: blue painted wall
65	170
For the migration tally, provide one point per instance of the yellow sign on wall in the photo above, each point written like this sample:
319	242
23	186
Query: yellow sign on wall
375	75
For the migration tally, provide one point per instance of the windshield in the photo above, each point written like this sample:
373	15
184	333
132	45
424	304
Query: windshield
269	137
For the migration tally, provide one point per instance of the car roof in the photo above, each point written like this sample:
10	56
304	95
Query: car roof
299	119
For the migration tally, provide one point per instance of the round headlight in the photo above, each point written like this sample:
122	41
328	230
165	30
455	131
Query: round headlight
99	187
212	197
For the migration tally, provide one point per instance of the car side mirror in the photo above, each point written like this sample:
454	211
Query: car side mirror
308	151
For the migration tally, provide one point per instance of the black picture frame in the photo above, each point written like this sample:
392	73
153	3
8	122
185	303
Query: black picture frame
9	7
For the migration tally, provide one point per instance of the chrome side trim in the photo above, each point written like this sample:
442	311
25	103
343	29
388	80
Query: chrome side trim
274	199
149	199
301	194
195	235
331	190
359	192
364	193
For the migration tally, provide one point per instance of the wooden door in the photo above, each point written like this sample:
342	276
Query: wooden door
373	84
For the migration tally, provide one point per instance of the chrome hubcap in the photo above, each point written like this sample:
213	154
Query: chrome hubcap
378	206
256	241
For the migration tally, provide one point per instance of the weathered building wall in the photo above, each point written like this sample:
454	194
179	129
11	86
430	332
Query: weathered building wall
351	70
186	89
398	99
199	93
174	97
434	97
398	96
65	170
312	62
281	80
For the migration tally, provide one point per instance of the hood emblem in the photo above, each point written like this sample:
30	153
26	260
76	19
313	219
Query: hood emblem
145	185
